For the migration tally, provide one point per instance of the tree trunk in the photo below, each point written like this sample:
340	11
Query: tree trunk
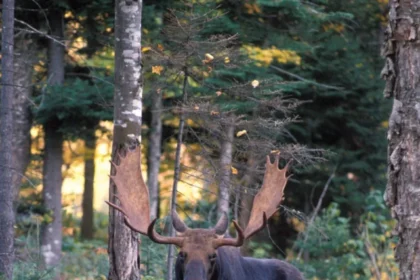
402	72
226	149
87	227
123	245
7	217
52	177
23	64
247	197
153	164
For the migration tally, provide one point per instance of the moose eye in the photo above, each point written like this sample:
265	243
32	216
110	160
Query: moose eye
182	255
212	257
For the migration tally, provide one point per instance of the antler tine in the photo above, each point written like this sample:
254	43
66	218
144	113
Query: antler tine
249	232
156	237
116	206
236	242
269	196
132	191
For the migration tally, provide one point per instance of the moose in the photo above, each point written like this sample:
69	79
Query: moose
205	254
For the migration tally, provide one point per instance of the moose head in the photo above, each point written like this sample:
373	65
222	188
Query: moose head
198	248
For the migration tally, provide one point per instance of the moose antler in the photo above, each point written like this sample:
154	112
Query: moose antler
268	198
157	238
226	241
132	191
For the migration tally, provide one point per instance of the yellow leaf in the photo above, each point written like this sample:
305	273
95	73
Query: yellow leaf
218	93
252	8
240	133
385	124
255	83
145	49
265	57
196	108
157	69
68	14
227	60
209	56
234	170
297	224
275	152
160	47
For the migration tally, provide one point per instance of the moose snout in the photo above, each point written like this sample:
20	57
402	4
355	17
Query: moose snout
195	270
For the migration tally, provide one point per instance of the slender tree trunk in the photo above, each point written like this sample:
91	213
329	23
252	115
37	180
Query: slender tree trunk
87	229
247	197
23	64
52	177
402	72
153	164
123	245
226	149
52	232
177	176
7	217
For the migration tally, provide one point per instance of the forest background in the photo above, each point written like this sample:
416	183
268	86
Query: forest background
299	77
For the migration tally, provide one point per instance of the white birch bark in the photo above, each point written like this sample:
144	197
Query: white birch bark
123	245
226	150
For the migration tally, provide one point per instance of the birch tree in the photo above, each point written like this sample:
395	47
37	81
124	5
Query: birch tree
7	218
123	243
402	74
226	150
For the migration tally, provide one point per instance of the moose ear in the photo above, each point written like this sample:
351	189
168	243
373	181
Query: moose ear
178	224
222	224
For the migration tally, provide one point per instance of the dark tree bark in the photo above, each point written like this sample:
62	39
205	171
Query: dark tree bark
402	74
7	217
247	197
52	177
87	228
24	59
123	245
153	165
226	150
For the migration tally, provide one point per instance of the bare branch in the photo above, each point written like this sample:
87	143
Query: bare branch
303	79
317	208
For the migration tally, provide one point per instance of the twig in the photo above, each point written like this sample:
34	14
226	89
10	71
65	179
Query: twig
317	208
303	79
40	32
